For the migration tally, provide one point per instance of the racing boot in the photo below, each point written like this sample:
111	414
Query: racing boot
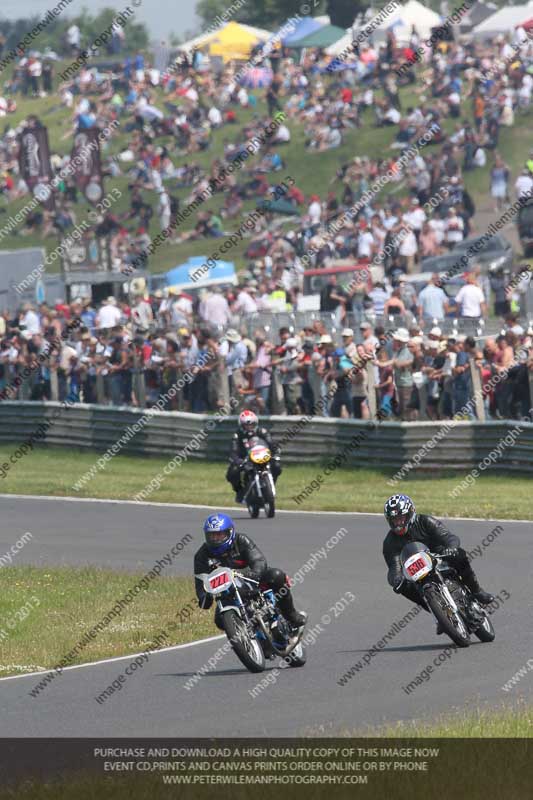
296	619
471	582
239	492
484	598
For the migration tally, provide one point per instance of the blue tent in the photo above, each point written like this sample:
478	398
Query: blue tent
197	273
302	28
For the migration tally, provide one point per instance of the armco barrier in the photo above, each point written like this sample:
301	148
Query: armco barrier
389	445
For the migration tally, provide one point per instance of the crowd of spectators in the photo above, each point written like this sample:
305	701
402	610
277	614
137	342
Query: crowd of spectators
475	83
133	354
168	116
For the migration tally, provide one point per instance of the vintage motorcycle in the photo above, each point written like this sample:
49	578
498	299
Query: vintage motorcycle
450	601
260	491
251	620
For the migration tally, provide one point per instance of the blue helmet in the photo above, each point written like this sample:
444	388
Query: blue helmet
219	533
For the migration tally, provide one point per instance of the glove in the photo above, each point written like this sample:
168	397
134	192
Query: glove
205	602
397	585
450	552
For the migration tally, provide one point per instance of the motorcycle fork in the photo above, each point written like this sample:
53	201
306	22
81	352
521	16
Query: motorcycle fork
446	594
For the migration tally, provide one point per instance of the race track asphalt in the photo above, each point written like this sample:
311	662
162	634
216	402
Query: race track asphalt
155	702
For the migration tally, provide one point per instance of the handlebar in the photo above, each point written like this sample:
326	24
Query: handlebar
245	577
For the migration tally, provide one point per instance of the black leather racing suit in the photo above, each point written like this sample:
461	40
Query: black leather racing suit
239	451
431	532
246	558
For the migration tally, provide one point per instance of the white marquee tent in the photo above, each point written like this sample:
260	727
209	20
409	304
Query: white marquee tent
403	18
504	21
401	21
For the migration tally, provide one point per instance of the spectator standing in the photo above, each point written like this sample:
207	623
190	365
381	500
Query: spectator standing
403	375
470	299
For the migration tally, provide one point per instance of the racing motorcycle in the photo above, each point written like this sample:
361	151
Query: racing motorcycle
260	489
452	603
251	620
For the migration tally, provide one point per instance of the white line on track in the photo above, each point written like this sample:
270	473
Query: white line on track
116	658
225	508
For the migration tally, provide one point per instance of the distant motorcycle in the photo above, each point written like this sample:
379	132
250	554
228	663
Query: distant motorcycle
260	491
251	620
450	601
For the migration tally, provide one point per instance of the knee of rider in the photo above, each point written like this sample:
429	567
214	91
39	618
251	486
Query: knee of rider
276	578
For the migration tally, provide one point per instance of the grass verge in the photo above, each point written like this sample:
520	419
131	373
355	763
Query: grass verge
504	723
46	611
54	471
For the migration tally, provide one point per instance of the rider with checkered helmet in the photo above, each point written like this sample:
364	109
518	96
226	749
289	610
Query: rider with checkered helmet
405	525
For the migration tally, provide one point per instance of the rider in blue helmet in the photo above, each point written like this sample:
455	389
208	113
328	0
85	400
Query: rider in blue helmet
219	532
224	547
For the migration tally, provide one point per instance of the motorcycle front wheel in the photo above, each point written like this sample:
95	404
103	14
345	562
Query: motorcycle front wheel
252	503
268	498
253	509
246	648
452	625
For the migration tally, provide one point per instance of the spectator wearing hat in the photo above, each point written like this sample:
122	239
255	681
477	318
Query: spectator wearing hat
348	343
341	405
291	380
236	355
369	338
322	362
402	363
359	376
109	314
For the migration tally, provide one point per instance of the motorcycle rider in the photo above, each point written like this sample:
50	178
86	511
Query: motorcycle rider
224	547
405	525
248	428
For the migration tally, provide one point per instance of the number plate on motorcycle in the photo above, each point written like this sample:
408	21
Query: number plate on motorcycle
218	581
417	566
259	454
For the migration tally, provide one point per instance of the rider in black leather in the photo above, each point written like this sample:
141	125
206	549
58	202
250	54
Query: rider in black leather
239	552
249	428
408	526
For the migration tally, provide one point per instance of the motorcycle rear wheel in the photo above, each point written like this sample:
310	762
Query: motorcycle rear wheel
298	657
486	632
460	637
248	650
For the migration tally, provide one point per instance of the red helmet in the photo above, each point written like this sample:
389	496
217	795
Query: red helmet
248	421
